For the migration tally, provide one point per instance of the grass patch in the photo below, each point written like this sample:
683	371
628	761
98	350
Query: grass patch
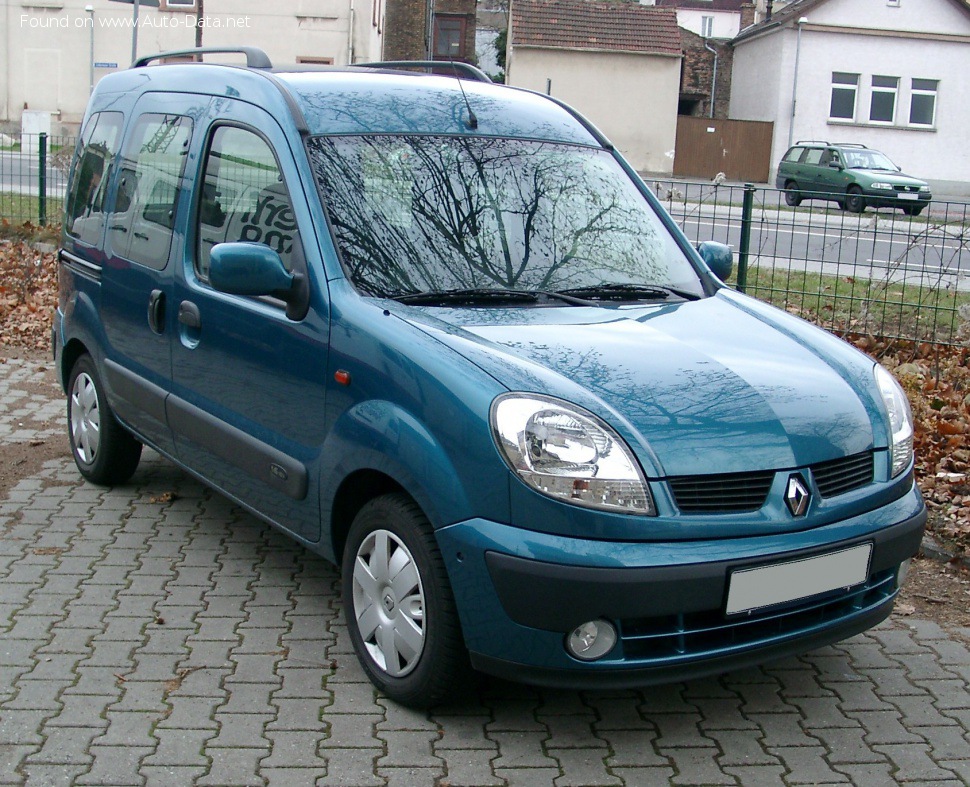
850	304
21	208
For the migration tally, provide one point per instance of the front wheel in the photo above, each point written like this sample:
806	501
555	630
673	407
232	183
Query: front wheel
103	451
792	198
854	201
398	604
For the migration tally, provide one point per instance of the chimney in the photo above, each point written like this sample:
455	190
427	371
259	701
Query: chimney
748	12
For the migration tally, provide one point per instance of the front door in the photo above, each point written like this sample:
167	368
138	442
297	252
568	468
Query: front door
249	380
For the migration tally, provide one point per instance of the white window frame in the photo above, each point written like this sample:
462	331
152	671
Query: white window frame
707	26
884	89
920	91
854	87
178	5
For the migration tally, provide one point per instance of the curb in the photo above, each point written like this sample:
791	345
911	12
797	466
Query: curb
932	549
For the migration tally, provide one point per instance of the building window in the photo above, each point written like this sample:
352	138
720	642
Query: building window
449	32
844	90
177	5
707	26
313	60
922	102
882	104
892	3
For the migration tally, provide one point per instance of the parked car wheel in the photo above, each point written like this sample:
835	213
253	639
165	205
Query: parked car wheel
792	197
103	451
913	210
398	603
854	201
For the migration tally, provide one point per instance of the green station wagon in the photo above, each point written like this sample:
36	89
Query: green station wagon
852	175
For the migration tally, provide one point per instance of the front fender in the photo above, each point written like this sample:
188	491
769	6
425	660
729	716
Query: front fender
450	483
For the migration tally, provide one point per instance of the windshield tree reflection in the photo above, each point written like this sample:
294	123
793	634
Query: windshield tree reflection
432	213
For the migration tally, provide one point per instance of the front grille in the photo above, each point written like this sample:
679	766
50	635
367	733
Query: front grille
721	494
696	635
843	475
909	189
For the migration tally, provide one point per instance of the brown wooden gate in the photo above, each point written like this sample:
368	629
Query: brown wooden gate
741	149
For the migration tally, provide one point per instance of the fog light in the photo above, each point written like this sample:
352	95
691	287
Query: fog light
591	640
903	571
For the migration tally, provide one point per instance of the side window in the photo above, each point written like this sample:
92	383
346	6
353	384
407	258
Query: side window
96	151
243	198
813	156
794	154
140	229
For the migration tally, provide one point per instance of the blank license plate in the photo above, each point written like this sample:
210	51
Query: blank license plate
754	588
905	195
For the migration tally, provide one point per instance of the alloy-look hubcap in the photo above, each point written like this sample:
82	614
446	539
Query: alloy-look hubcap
389	603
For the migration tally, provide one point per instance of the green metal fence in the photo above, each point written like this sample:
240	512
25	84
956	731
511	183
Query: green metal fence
880	272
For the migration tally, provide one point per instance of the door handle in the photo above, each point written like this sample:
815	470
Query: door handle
156	311
141	236
189	315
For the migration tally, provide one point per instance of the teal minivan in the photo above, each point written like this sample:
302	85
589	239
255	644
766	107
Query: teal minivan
438	331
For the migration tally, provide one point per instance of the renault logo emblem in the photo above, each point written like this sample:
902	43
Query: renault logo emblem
797	496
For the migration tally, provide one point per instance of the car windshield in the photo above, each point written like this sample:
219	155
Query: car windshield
868	159
427	214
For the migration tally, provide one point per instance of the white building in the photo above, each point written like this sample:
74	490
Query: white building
890	74
54	49
617	63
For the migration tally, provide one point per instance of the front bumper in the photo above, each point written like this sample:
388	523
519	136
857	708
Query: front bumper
519	593
879	198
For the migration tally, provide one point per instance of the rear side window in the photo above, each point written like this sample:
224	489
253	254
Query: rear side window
794	154
140	228
244	198
813	156
96	152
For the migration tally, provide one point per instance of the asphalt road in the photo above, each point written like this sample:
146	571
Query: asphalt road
153	634
874	245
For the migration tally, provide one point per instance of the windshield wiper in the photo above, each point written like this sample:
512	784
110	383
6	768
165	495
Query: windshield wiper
472	296
627	292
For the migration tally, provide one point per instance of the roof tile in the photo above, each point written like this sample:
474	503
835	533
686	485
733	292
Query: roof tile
593	24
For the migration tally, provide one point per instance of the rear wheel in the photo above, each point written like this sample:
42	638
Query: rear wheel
398	603
103	451
854	201
792	197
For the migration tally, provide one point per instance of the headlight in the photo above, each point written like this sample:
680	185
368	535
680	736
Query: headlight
569	454
900	419
924	189
880	185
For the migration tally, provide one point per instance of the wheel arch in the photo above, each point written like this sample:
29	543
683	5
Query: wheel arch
354	492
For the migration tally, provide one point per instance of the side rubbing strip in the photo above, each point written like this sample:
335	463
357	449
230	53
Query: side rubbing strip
252	456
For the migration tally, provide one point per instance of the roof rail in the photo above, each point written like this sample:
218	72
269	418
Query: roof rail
812	142
255	57
443	66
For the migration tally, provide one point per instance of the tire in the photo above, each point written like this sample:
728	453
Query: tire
854	201
792	198
104	452
398	604
913	210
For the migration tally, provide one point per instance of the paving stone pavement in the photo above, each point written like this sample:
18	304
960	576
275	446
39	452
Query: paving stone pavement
154	634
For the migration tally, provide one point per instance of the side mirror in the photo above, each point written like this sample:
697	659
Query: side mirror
836	165
248	269
719	258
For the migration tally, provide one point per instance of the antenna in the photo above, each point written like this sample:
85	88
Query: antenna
472	121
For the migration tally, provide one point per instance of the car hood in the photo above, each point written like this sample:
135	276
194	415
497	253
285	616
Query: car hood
720	385
899	178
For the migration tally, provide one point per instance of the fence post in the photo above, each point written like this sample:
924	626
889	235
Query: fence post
42	180
747	209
